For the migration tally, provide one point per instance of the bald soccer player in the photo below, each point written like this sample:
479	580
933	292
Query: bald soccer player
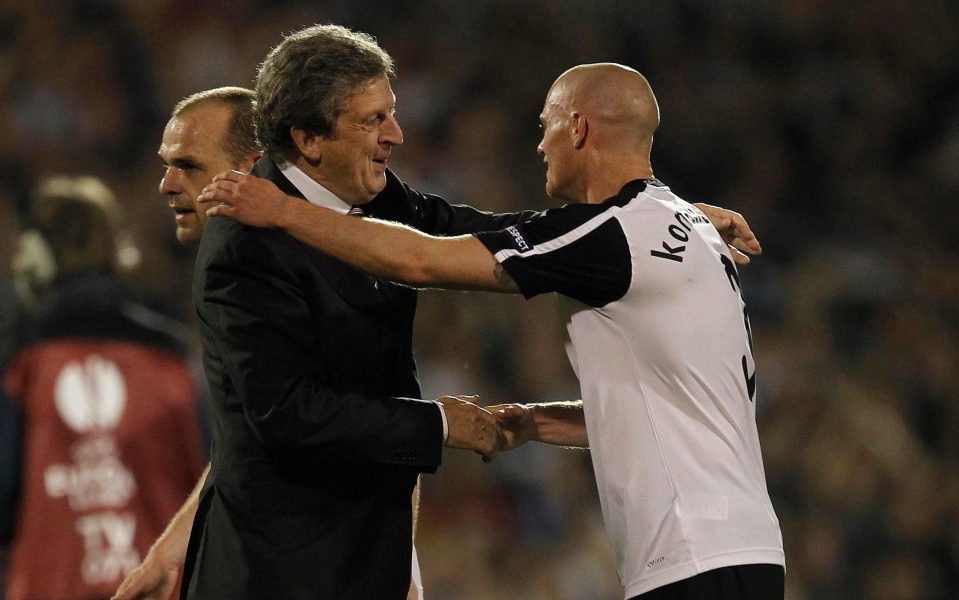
668	387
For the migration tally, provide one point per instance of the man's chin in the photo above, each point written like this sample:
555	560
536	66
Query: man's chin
187	236
376	186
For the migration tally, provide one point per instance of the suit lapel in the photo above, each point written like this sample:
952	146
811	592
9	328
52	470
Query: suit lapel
355	287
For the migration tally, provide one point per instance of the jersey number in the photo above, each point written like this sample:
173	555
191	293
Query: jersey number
733	277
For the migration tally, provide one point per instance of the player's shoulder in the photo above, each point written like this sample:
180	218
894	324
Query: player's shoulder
657	197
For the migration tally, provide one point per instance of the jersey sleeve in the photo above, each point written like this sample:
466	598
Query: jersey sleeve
579	251
433	214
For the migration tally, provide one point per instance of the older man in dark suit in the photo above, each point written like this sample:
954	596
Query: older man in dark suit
318	433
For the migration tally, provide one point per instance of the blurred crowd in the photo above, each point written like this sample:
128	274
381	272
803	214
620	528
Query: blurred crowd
833	127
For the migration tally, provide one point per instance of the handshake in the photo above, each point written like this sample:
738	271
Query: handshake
487	431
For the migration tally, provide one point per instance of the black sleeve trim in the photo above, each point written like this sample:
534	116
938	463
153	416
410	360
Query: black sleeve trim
594	268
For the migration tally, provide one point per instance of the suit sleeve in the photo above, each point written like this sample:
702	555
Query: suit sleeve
254	302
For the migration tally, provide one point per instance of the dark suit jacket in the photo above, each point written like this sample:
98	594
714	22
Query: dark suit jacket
318	438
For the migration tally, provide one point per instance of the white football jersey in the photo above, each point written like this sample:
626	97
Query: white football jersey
661	345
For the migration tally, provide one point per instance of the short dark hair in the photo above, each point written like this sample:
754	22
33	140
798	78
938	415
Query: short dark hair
240	140
306	81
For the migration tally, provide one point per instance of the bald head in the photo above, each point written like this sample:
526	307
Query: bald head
609	94
598	125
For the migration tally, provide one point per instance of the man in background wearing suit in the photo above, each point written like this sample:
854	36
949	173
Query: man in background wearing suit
207	132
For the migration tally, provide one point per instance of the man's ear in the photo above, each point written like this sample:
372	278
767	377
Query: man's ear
579	128
246	165
308	144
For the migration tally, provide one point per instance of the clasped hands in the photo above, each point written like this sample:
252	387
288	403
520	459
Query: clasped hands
489	430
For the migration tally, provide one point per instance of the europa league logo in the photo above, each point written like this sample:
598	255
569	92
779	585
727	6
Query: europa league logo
90	396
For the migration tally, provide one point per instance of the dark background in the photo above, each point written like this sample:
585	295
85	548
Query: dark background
833	126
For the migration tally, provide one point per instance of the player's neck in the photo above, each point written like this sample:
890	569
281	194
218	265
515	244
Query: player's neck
604	183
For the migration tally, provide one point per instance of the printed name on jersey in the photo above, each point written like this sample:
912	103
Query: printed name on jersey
686	219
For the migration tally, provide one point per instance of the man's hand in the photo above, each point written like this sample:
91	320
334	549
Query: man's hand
470	426
735	232
555	423
246	198
516	423
154	579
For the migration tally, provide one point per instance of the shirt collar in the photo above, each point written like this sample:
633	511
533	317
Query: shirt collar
311	190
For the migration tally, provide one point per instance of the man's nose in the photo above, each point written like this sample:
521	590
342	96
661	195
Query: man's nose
170	182
392	133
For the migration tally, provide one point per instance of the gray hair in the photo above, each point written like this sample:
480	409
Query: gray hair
306	81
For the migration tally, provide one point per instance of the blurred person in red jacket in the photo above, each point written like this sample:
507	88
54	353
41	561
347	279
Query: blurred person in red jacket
95	396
